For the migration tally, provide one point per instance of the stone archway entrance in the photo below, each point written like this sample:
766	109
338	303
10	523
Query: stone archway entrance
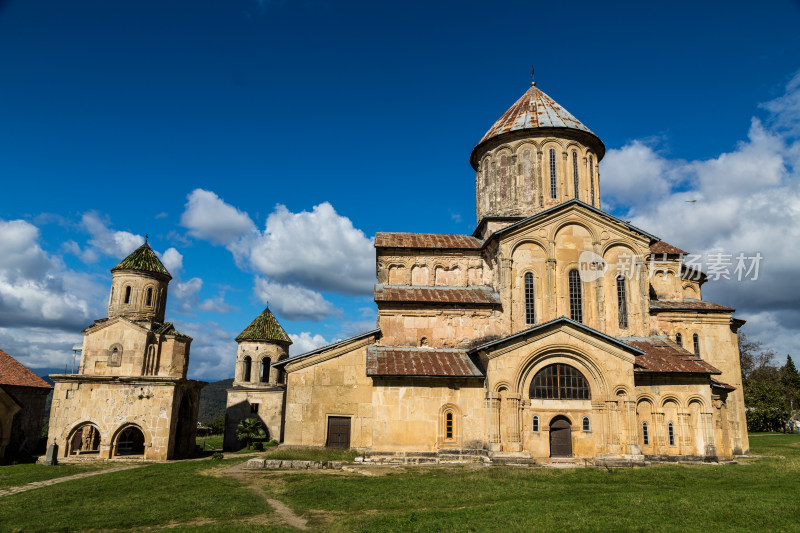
130	442
560	437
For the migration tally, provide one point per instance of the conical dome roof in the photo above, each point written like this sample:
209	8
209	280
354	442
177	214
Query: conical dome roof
264	328
143	259
536	110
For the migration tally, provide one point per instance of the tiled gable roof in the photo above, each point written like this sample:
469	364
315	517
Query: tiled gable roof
265	327
661	355
420	362
14	373
436	295
688	305
143	259
427	240
661	247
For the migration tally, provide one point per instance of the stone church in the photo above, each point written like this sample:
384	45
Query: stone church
554	330
130	397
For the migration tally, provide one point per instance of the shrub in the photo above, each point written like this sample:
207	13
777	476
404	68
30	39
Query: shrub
217	456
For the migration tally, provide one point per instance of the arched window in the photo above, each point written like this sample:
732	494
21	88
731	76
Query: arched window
576	184
130	442
128	294
585	424
448	425
575	297
148	300
559	382
265	369
696	344
671	433
247	362
553	177
535	424
645	434
591	177
530	311
622	302
678	339
85	439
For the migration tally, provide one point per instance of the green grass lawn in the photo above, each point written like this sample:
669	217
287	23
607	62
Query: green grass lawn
13	475
212	442
310	454
755	495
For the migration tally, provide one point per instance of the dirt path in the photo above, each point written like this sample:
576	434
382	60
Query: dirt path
54	481
287	515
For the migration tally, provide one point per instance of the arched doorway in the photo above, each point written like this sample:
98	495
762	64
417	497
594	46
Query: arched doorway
85	439
184	429
560	437
130	441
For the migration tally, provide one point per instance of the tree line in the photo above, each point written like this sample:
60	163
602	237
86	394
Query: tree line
771	392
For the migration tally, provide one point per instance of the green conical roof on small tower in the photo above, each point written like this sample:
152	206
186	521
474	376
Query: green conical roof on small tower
264	328
143	259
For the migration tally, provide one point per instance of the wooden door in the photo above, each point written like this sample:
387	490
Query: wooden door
338	432
560	437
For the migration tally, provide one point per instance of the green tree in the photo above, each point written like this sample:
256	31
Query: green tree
790	381
217	425
250	429
766	405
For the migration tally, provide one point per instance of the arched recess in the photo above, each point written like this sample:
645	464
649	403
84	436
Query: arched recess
265	369
129	439
247	368
696	426
449	434
84	439
565	354
560	436
185	428
645	426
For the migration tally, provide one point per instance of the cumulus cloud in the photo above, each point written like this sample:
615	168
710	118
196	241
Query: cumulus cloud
743	201
35	288
295	258
208	217
106	241
187	289
305	342
213	352
173	260
293	302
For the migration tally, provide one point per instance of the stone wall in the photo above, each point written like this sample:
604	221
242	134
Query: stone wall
269	409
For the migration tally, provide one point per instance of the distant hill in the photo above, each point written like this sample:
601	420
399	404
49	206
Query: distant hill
213	398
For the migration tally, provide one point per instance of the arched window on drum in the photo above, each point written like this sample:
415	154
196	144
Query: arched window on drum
559	382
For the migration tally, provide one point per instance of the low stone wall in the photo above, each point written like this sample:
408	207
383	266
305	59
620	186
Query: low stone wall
296	465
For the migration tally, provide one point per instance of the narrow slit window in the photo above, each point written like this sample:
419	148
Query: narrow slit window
265	370
671	432
645	434
449	425
246	373
591	177
586	425
575	297
576	184
530	311
678	339
622	302
148	300
128	294
696	344
553	177
535	424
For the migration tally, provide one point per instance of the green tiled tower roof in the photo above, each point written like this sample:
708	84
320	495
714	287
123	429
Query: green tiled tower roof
143	259
264	328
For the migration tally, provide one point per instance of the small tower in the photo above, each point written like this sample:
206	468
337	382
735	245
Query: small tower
258	389
130	396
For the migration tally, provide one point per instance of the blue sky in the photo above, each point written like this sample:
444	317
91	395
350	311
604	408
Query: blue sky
262	144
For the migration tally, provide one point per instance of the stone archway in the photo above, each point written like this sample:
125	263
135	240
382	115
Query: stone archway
129	441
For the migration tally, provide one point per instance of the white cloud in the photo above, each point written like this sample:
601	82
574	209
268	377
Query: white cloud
105	240
318	249
187	289
173	260
213	350
747	200
305	342
35	288
293	302
208	217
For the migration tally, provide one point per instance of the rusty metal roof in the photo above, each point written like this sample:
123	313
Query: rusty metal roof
436	295
534	110
14	373
721	385
661	355
427	240
688	305
420	362
661	247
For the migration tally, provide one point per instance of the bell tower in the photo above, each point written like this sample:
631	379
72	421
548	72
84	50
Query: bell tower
139	287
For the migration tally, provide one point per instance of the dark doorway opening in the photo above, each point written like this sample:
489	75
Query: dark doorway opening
560	437
130	442
338	432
